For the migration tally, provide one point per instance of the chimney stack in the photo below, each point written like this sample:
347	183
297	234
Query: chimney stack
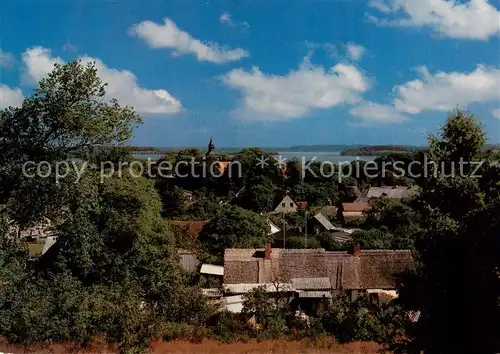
267	254
356	251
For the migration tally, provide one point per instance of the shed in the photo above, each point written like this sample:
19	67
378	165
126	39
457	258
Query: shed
188	260
212	269
234	303
323	222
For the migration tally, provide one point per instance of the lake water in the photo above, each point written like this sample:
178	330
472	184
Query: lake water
333	157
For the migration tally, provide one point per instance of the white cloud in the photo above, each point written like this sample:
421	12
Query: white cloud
496	113
6	59
122	84
274	97
10	96
69	47
444	91
370	112
226	19
38	62
168	35
382	5
355	51
474	19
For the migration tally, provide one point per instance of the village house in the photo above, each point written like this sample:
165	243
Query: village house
188	231
39	231
211	276
321	224
392	192
273	228
288	205
313	276
301	204
354	211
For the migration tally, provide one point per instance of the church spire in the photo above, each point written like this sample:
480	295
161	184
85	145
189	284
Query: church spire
211	146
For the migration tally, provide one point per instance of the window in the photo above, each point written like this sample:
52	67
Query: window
283	205
291	204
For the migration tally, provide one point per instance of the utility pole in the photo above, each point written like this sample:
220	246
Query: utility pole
306	229
284	227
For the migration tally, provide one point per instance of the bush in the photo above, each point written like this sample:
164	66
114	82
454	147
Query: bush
276	327
228	327
327	242
183	331
299	242
358	320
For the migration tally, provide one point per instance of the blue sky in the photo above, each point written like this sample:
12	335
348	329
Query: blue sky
269	73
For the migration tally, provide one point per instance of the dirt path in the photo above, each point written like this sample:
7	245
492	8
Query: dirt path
214	347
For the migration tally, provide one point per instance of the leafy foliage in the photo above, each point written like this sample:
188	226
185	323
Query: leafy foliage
234	227
66	114
456	282
113	271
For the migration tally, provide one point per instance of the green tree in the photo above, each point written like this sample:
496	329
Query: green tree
113	271
456	286
258	195
66	114
234	227
390	224
173	201
462	137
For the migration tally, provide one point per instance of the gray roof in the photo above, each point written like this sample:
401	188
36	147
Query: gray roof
341	237
329	210
242	288
377	192
212	269
324	221
212	292
311	283
49	242
315	294
394	192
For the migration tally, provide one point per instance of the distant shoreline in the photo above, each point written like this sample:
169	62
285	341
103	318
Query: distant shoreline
341	150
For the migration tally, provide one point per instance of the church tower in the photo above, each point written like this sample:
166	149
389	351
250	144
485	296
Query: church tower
211	147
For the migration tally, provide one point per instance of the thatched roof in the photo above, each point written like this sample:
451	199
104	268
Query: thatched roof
369	269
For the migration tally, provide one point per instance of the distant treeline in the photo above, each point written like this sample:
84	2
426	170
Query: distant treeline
345	150
377	150
271	150
146	149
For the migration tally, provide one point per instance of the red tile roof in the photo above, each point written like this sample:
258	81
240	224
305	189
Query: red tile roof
302	204
356	207
189	228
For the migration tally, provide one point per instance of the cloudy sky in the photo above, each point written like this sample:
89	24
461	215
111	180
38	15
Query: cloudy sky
273	73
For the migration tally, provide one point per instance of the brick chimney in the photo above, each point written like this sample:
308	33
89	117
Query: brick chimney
356	250
267	253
